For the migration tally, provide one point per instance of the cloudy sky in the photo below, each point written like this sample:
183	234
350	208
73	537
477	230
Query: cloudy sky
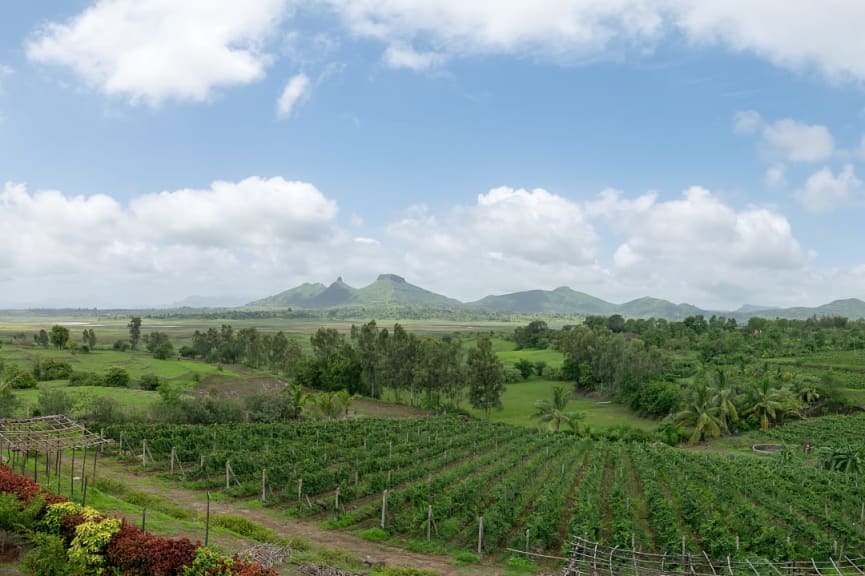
707	151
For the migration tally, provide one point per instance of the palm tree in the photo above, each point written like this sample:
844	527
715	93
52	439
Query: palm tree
297	399
553	413
767	402
724	397
701	414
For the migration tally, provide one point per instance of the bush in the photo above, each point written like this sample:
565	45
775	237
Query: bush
85	379
23	381
149	382
243	527
463	558
47	557
50	369
116	377
55	402
121	345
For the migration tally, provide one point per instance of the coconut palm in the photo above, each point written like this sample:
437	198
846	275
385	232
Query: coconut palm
724	397
297	399
768	403
700	414
553	412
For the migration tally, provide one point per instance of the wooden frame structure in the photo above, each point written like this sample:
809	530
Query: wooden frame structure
50	435
592	559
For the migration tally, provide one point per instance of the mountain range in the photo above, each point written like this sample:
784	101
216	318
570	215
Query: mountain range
392	290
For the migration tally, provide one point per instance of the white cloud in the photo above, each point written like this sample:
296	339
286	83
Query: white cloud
796	35
747	122
509	239
295	92
776	176
824	192
232	236
797	142
405	57
158	50
861	151
792	34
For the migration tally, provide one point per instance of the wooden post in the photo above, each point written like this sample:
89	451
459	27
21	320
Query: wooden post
383	507
480	535
95	454
84	492
299	489
429	523
144	452
227	472
72	477
143	518
527	541
263	485
207	521
171	466
336	500
84	462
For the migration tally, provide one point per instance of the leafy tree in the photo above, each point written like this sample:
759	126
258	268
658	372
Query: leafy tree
89	338
700	414
42	338
535	335
159	344
524	367
369	355
486	377
59	336
540	366
553	412
134	332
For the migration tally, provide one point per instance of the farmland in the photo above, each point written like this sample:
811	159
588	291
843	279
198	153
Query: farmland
555	487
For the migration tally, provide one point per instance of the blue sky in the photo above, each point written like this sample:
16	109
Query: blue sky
700	151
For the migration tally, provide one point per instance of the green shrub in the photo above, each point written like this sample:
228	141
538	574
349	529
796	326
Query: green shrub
47	557
149	382
85	379
116	377
23	381
246	528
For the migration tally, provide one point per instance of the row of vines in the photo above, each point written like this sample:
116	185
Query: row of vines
432	479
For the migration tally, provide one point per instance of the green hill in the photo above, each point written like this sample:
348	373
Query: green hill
297	297
656	308
391	289
562	300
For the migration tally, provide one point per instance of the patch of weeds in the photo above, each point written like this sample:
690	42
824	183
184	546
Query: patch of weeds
374	534
246	528
520	564
425	547
402	571
464	558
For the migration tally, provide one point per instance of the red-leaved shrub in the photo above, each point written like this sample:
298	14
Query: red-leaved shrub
135	552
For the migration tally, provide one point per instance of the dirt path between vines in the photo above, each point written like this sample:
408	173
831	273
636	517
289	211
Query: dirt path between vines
313	533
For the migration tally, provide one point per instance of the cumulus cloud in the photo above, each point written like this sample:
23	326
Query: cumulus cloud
747	122
824	191
228	236
798	35
157	50
295	92
405	57
797	142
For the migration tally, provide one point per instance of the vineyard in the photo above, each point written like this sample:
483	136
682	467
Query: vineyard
428	482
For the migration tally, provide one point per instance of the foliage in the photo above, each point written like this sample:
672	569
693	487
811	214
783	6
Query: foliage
47	557
116	377
134	332
55	401
485	376
553	412
51	369
159	344
59	336
91	538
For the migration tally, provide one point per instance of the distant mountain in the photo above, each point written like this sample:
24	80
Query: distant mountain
209	302
562	300
387	290
390	290
851	308
656	308
296	297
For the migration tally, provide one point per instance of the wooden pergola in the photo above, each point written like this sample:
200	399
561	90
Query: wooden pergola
49	435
